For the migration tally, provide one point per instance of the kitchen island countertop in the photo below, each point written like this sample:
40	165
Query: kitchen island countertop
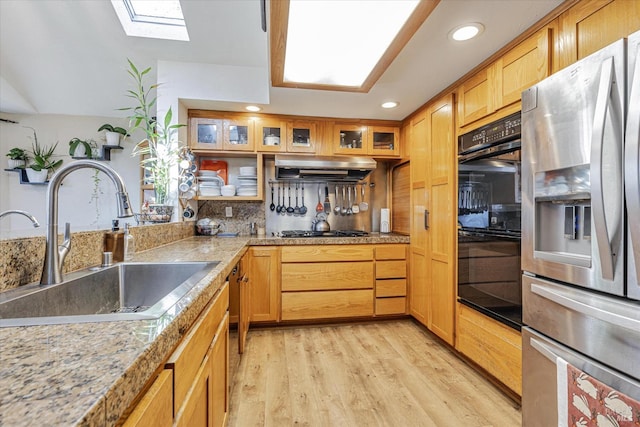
90	373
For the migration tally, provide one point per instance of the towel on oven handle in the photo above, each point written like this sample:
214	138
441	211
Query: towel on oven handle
584	401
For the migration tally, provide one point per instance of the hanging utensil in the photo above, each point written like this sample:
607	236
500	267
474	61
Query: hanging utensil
336	210
319	207
296	210
355	208
343	208
303	208
349	204
289	208
272	206
364	206
279	207
327	203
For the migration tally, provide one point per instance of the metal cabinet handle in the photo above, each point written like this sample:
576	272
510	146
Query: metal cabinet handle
426	219
603	103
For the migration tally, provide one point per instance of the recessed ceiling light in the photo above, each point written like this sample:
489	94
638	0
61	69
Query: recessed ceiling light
389	104
466	32
252	108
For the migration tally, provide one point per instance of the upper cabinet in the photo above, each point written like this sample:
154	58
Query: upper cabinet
500	84
302	136
227	133
357	139
591	25
270	134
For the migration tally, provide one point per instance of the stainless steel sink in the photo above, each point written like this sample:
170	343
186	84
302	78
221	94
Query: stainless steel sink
126	291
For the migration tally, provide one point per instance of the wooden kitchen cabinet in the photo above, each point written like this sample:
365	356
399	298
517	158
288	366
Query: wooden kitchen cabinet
155	409
391	279
588	26
221	132
270	134
500	84
302	136
263	265
327	281
434	220
492	345
363	140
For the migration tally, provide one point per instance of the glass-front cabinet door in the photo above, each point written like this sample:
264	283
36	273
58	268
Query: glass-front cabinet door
384	141
349	139
238	134
270	134
205	134
301	137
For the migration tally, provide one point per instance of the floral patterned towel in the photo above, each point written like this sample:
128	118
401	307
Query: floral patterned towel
583	401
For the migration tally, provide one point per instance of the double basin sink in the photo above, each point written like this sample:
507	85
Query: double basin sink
125	291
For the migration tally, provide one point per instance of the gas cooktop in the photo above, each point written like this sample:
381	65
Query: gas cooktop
335	233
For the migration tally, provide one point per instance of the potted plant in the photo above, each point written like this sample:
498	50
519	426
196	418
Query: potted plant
43	161
17	158
112	133
80	148
159	149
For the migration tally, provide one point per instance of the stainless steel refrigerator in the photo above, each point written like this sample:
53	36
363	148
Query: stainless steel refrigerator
581	242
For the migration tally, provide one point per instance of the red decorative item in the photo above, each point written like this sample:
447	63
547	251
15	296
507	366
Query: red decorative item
219	166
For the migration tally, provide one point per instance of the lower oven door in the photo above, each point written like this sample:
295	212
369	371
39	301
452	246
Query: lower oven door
561	387
489	276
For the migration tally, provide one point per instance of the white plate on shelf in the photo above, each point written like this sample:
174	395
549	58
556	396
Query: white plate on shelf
242	177
216	179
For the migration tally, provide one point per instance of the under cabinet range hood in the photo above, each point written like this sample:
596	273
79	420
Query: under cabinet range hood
323	168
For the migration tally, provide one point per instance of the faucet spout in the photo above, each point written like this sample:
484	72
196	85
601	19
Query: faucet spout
32	218
55	253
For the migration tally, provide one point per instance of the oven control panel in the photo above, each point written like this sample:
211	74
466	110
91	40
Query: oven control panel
503	130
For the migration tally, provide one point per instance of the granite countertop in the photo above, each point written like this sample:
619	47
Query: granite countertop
90	373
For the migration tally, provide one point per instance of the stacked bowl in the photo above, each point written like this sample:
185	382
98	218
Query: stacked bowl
248	181
209	184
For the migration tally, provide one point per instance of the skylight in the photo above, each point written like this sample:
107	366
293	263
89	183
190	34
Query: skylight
340	45
159	19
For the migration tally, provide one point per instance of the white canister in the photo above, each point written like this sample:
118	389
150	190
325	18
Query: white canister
385	220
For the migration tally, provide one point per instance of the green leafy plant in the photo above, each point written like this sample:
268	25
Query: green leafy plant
75	142
18	154
110	128
159	150
43	155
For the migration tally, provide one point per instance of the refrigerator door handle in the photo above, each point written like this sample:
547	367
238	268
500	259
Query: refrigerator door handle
603	103
632	161
586	309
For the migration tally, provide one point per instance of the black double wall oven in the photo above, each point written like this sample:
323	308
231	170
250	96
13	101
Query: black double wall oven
489	200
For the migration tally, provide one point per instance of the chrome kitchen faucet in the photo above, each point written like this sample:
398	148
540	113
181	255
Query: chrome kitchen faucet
32	218
55	254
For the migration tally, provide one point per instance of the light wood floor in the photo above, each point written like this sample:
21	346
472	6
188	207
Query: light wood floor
391	373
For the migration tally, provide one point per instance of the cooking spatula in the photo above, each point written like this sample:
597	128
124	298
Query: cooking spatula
364	206
327	203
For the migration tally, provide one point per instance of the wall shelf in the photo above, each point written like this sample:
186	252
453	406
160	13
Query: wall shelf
105	153
22	173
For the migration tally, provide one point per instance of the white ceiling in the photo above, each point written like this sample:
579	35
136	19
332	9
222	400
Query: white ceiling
69	57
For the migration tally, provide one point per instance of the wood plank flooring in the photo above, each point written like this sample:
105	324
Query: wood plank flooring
389	373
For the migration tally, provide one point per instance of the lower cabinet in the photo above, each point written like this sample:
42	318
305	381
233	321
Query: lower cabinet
493	346
192	389
263	270
327	281
391	279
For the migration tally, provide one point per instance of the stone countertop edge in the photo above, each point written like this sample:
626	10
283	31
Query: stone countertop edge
90	373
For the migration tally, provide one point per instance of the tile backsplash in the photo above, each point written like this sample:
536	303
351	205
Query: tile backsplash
21	259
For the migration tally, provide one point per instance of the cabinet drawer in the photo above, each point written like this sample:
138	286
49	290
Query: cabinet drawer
391	288
391	269
156	407
187	358
492	345
327	304
327	276
395	305
391	252
327	253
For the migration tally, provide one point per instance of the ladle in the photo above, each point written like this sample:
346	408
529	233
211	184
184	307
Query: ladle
272	206
336	210
279	207
303	208
290	208
296	210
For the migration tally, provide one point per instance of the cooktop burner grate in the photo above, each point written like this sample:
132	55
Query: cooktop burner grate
335	233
